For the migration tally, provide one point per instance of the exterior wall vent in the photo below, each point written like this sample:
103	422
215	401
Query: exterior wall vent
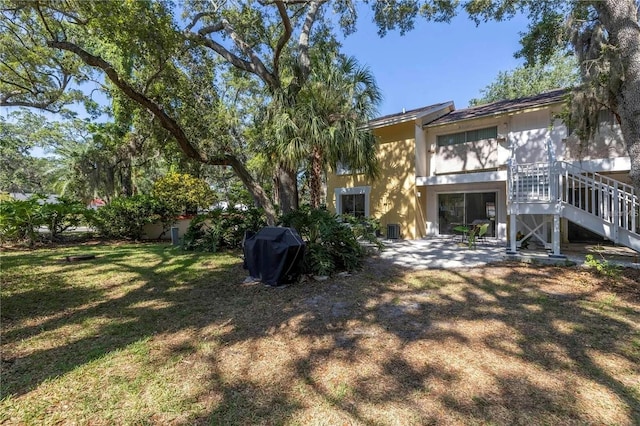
393	231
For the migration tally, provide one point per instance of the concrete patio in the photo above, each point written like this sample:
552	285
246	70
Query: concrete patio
447	253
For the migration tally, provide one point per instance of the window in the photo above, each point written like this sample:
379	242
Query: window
465	208
353	201
343	169
468	136
353	205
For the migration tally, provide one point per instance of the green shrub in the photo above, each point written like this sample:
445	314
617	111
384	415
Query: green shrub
64	214
231	224
20	220
125	217
183	192
603	267
200	236
222	228
332	242
365	229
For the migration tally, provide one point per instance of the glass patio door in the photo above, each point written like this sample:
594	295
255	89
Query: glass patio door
465	208
451	212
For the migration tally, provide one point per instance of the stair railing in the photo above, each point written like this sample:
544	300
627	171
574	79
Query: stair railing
530	182
613	201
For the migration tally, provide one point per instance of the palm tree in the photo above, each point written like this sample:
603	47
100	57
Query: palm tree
327	125
80	170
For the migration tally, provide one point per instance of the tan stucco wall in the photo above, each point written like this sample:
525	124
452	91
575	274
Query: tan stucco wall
529	132
153	231
472	156
393	196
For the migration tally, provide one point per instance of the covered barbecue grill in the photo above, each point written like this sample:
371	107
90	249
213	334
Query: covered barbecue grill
274	255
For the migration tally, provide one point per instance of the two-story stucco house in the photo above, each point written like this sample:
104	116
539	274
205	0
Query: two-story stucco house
511	164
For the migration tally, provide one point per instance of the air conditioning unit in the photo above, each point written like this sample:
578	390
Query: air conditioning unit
393	231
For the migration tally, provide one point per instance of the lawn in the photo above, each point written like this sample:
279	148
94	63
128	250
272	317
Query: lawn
146	334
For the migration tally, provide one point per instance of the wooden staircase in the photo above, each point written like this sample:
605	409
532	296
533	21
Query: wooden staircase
558	189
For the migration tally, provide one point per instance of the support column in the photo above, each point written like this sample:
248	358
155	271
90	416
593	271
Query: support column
512	250
556	238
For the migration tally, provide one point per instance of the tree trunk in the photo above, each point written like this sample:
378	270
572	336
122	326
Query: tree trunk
276	186
620	18
287	189
259	195
126	178
315	180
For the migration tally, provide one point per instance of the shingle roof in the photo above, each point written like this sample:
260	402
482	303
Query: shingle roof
407	115
501	107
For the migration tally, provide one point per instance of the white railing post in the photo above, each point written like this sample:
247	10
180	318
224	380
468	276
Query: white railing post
554	196
616	213
554	182
511	202
634	213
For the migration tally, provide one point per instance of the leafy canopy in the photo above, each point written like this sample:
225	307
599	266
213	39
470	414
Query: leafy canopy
560	72
182	191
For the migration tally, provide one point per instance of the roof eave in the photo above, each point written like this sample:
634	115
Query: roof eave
405	118
496	114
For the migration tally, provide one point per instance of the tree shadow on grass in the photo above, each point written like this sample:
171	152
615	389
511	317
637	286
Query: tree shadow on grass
560	332
55	297
518	302
414	341
355	322
245	403
156	302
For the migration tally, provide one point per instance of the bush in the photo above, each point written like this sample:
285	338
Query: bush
603	267
365	229
200	236
20	220
125	217
64	214
183	192
332	241
222	228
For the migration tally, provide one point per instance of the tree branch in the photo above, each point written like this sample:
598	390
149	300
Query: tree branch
155	75
169	124
284	38
303	41
211	29
44	105
255	66
166	121
44	21
74	19
260	70
196	19
233	59
287	2
19	86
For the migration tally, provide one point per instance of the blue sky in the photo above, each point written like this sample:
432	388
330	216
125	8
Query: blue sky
435	62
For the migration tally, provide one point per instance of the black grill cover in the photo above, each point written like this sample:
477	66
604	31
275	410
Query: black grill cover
274	255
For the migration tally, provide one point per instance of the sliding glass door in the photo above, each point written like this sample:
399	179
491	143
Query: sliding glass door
465	208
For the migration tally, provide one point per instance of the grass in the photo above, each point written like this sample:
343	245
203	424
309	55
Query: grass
146	334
